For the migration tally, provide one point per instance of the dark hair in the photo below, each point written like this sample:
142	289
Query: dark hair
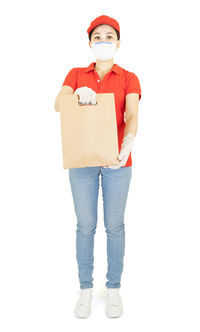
117	32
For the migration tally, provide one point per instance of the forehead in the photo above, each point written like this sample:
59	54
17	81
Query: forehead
104	28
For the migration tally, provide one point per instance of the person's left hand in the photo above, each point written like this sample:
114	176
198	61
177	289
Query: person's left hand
124	152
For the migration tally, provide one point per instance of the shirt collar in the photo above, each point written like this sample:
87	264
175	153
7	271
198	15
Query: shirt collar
117	69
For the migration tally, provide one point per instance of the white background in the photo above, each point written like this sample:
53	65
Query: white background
40	42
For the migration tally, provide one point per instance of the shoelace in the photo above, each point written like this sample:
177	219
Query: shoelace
84	299
114	297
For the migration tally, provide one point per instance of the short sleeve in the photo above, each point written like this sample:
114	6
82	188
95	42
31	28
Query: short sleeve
71	78
132	84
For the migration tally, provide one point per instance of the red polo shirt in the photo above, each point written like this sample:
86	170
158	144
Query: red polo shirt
118	80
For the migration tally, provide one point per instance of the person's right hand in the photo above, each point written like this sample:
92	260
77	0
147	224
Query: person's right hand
86	95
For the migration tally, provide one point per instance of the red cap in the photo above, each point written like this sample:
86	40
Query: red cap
103	19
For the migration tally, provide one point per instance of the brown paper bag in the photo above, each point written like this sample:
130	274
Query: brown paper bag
89	132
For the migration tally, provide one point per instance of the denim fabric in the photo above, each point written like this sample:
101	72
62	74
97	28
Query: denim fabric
85	185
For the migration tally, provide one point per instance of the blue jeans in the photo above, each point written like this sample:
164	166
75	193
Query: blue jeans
84	184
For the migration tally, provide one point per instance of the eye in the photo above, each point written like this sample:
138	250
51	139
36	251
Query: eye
97	37
110	37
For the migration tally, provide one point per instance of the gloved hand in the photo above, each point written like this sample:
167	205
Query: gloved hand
86	95
126	147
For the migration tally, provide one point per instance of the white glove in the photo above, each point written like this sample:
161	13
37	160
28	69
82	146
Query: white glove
86	95
126	147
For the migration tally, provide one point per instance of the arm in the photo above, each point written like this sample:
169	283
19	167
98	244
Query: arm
66	89
131	113
133	95
131	119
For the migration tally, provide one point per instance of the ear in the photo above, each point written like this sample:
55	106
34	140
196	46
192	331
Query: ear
118	43
89	43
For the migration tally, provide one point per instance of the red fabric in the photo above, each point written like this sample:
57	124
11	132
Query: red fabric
103	19
118	80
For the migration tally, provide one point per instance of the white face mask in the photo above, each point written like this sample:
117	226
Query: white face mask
104	50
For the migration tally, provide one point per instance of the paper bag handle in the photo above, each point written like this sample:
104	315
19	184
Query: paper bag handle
87	107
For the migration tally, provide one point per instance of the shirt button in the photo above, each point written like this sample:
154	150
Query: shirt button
98	80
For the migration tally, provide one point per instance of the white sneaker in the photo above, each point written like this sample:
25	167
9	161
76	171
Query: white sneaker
114	306
83	305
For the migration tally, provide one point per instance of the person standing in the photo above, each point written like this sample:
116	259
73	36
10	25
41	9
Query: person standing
103	76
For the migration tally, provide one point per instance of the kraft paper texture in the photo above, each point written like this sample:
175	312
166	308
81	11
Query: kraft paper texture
89	132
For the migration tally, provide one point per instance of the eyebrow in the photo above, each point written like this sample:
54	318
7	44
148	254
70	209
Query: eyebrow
98	33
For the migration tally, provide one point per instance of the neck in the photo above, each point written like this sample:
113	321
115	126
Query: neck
104	65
